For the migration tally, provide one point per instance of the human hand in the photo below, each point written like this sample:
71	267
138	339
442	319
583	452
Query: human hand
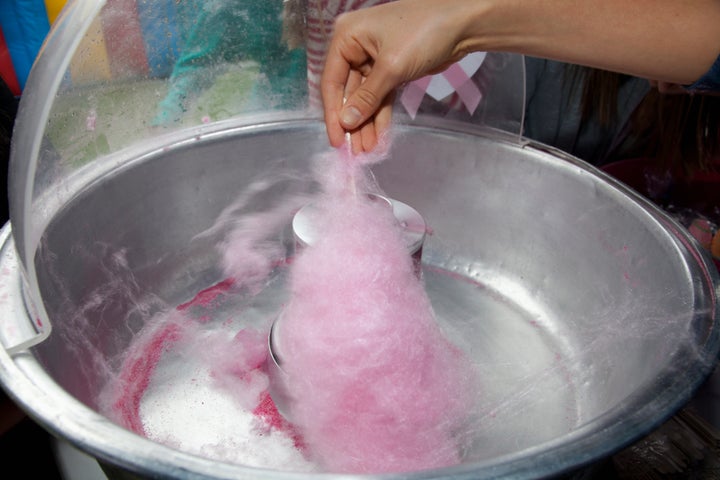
375	50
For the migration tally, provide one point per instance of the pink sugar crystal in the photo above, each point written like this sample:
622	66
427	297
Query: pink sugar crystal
122	398
376	385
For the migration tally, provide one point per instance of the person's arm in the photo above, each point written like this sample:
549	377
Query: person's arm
375	50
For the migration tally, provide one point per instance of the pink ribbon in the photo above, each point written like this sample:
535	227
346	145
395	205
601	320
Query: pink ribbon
413	94
466	89
469	93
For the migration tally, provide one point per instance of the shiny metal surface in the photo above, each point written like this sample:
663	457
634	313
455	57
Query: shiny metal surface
590	315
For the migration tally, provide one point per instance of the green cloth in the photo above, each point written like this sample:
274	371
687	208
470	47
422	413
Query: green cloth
233	31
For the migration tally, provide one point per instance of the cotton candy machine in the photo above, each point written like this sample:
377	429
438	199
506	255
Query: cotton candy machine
589	315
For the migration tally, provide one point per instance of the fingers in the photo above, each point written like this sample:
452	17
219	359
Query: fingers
355	84
334	78
370	135
367	99
368	139
354	81
383	117
366	128
342	84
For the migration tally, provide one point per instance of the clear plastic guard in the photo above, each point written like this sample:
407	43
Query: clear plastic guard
115	76
20	325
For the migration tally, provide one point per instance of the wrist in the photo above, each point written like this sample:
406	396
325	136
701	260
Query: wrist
494	25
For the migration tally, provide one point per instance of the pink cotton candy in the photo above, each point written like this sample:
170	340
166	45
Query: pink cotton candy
250	249
376	386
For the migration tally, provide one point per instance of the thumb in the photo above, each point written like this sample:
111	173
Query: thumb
364	102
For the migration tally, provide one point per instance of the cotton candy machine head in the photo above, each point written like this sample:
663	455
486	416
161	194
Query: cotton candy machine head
588	315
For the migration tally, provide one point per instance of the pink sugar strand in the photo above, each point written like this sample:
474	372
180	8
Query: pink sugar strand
205	297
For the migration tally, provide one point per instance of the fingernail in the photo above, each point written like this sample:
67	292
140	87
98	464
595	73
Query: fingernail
350	117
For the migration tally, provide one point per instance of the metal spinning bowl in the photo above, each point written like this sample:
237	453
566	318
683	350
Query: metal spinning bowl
591	315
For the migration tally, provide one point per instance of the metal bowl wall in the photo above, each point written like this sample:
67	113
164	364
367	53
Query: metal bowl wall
591	316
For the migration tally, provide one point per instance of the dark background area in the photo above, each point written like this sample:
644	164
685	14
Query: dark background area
8	110
25	448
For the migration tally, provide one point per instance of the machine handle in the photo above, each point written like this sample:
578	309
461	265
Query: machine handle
20	325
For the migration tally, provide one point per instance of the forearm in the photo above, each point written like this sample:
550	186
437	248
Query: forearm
673	41
670	40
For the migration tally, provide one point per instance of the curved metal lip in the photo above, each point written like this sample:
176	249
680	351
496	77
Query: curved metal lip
272	349
30	386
